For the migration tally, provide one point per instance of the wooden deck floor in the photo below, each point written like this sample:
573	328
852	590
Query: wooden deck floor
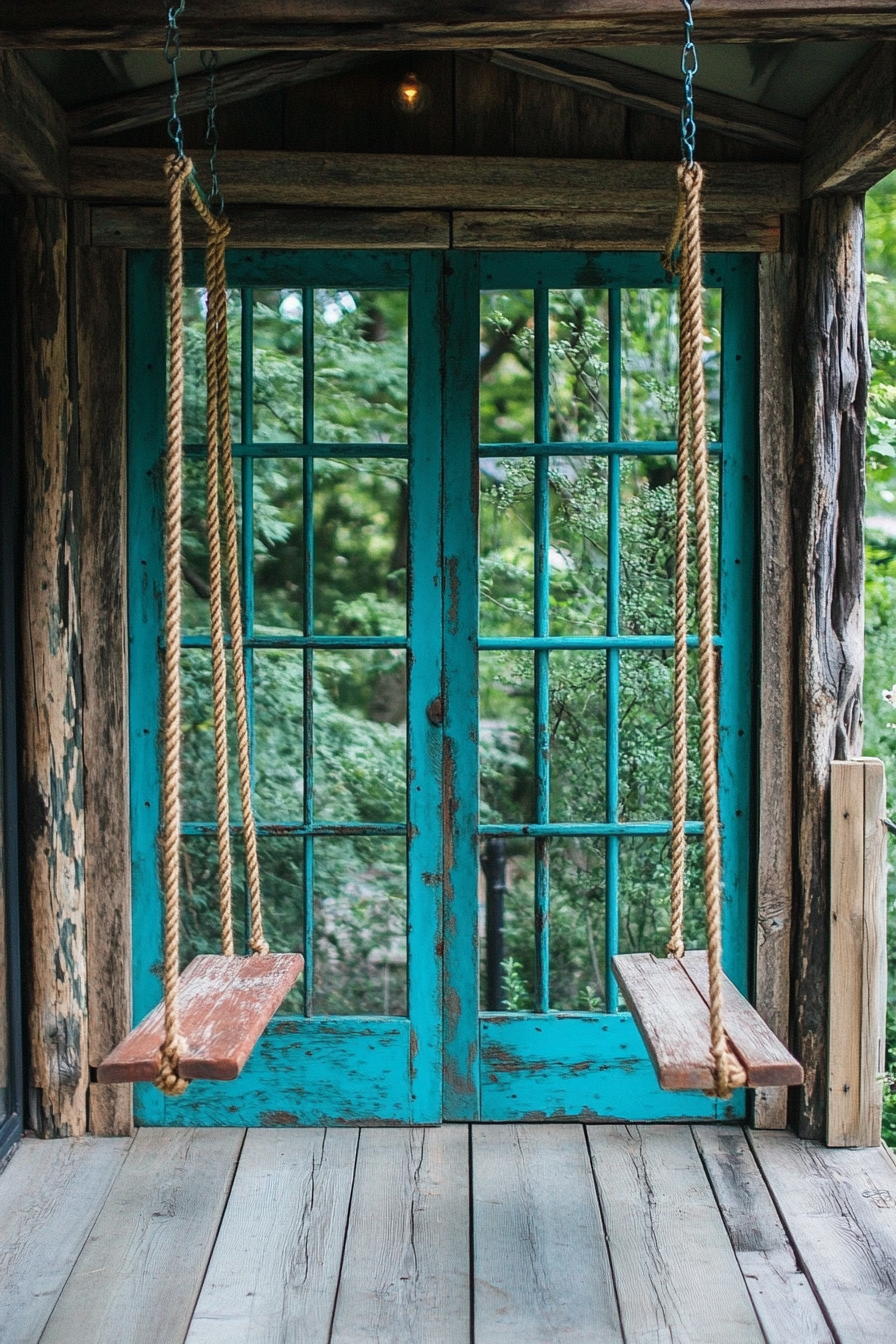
502	1234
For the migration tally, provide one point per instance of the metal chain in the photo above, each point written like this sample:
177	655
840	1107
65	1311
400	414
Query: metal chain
172	55
209	61
689	68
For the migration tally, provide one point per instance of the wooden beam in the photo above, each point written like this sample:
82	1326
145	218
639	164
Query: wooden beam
52	770
33	141
851	137
129	226
404	25
606	231
649	92
233	84
774	863
831	373
440	181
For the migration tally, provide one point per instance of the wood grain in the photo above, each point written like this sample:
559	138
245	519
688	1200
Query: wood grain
225	1005
439	181
831	373
781	1294
540	1261
126	226
403	25
275	1268
667	1240
33	140
107	874
774	861
839	1209
406	1267
874	955
851	137
50	1196
137	1279
52	773
605	231
671	1018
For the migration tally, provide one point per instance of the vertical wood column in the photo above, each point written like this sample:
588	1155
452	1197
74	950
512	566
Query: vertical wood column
101	414
52	811
777	315
831	373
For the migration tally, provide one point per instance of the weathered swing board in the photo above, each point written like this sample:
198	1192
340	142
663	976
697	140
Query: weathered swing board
669	1000
225	1004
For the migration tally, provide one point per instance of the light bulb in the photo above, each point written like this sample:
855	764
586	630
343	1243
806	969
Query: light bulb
411	97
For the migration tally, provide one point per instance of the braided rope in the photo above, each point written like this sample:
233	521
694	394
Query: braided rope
686	236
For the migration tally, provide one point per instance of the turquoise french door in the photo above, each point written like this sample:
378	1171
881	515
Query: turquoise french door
455	473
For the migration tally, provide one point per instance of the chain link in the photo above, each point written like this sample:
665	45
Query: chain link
689	68
172	55
209	61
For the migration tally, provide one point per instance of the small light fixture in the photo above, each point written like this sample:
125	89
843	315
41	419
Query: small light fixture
411	97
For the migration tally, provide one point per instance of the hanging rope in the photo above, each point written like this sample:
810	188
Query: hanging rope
683	256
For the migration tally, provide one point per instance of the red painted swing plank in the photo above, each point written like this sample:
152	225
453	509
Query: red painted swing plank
768	1063
673	1018
225	1005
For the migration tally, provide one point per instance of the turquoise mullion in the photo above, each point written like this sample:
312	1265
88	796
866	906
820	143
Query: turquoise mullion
308	629
542	666
611	929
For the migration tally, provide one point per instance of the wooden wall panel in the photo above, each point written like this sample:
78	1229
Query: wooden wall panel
777	315
52	779
101	401
831	373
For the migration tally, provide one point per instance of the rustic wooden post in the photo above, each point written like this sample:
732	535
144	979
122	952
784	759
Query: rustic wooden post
101	415
831	372
52	811
777	315
858	959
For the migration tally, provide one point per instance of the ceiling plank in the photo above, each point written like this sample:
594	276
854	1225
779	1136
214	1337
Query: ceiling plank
851	137
398	25
278	227
439	181
33	146
233	84
649	92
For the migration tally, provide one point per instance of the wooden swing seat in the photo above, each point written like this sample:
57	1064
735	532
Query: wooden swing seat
225	1004
669	1000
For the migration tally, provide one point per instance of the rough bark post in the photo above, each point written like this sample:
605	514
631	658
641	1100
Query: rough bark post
831	372
52	813
101	424
777	315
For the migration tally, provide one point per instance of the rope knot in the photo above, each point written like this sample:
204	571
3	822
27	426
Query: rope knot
167	1079
178	170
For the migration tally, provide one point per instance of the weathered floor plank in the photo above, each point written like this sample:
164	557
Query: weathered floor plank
137	1279
676	1274
406	1267
542	1272
782	1295
839	1208
275	1268
50	1196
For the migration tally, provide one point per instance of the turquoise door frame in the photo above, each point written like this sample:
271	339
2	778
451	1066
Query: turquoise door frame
445	1059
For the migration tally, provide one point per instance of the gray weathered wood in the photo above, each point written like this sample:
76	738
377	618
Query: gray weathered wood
406	1267
50	1195
667	1240
781	1294
52	778
649	92
225	1004
858	969
439	181
233	84
122	226
606	231
839	1209
774	862
107	876
137	1279
851	137
541	1269
402	25
831	372
33	141
275	1268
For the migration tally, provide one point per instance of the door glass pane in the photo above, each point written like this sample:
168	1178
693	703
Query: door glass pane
578	735
278	369
577	557
278	733
579	354
506	367
506	546
195	309
506	736
279	551
644	878
360	735
360	366
649	394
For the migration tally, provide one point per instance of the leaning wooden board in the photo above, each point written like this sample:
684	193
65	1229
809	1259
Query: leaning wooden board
669	1001
225	1005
